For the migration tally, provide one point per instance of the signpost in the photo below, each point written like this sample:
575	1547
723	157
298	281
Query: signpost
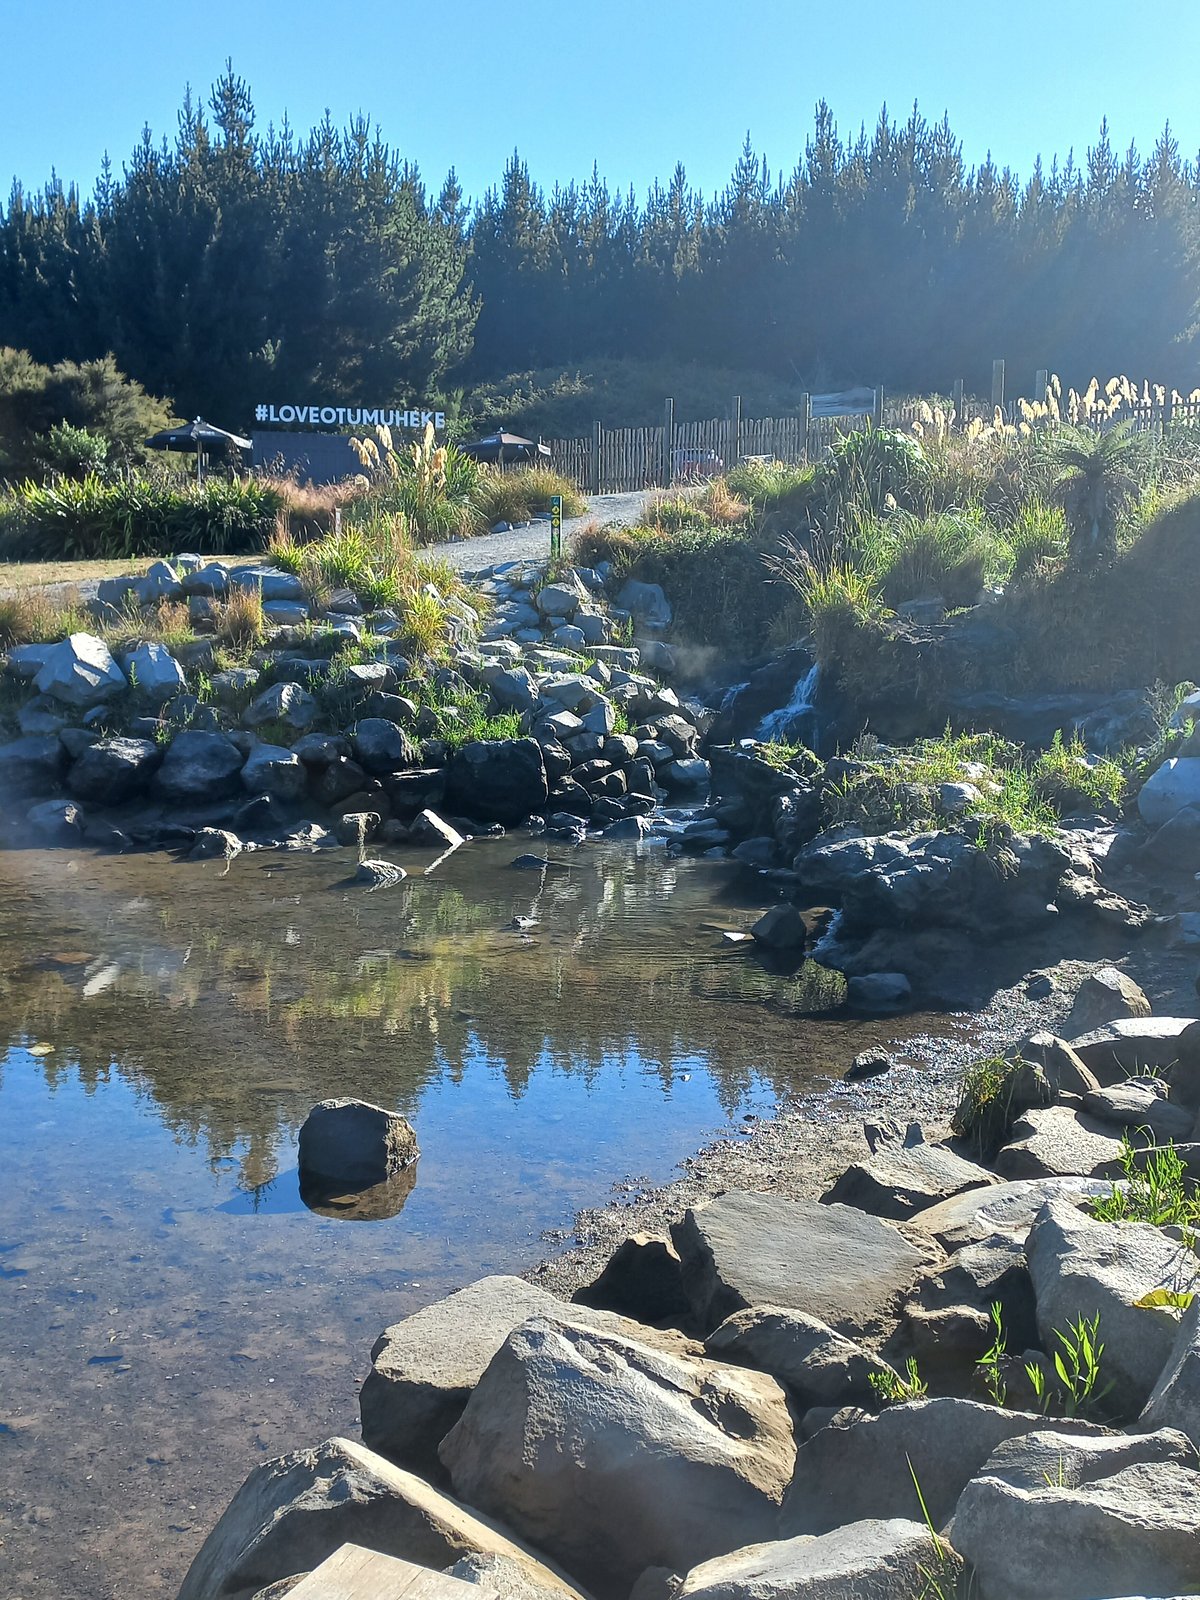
555	526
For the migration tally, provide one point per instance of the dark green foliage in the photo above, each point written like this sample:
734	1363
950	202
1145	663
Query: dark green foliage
45	411
231	265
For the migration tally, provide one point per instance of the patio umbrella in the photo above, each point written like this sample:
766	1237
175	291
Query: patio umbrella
199	436
502	446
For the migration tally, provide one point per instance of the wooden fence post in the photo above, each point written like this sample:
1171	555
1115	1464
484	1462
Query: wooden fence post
595	458
957	401
734	453
877	411
805	424
668	452
1041	382
998	383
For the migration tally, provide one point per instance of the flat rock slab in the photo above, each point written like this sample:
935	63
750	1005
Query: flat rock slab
294	1512
424	1368
841	1266
1056	1142
1131	1044
899	1180
859	1469
1008	1208
865	1559
353	1573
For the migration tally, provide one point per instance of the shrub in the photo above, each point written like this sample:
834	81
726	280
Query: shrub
29	616
866	469
950	554
92	396
514	494
431	487
986	1111
1155	1188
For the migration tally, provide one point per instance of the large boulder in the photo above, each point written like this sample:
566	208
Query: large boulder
859	1467
200	766
30	765
81	672
846	1269
1055	1515
647	602
643	1278
1174	785
293	1512
424	1368
816	1365
113	770
272	583
497	780
990	1272
153	673
1141	1103
272	769
1105	995
1131	1044
1082	1268
382	746
903	1177
889	1560
286	705
1059	1142
1175	1400
618	1455
354	1142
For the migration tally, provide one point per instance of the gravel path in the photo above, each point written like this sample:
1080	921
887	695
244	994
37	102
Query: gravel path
533	543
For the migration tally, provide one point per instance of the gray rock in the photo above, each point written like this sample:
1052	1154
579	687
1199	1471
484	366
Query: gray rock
503	1576
272	583
272	769
1174	849
879	991
285	613
781	928
858	1466
572	1433
211	579
424	1368
559	600
285	703
1077	1518
234	685
514	688
30	765
1129	1045
318	750
1174	785
1083	1268
200	766
56	821
901	1179
1141	1103
214	844
647	602
497	780
1064	1070
1105	995
354	1142
295	1511
153	673
875	1560
568	637
686	772
43	715
1009	1208
160	582
81	672
818	1366
428	828
1058	1142
382	746
979	1276
111	771
844	1268
1175	1400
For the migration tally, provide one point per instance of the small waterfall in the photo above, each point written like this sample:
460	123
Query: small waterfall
779	724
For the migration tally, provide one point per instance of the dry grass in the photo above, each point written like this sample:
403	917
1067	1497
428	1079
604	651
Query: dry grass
240	624
30	616
309	508
32	574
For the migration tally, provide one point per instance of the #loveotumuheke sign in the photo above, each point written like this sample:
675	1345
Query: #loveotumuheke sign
350	416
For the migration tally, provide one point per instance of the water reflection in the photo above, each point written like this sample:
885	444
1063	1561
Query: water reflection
170	1307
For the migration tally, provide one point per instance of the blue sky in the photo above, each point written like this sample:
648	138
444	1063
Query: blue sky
633	85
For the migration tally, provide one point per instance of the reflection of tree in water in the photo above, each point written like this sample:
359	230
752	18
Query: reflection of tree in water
236	1003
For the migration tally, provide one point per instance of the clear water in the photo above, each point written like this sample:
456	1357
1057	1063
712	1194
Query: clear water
170	1310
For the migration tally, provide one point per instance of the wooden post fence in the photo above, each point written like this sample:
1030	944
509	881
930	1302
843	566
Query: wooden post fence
805	423
956	400
998	383
595	458
668	449
734	452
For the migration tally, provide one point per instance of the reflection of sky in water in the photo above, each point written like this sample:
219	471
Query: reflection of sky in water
169	1309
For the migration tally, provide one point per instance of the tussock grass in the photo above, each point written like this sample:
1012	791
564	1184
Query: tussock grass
514	494
32	617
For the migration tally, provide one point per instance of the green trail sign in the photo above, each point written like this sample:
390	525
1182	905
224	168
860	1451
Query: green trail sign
555	525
